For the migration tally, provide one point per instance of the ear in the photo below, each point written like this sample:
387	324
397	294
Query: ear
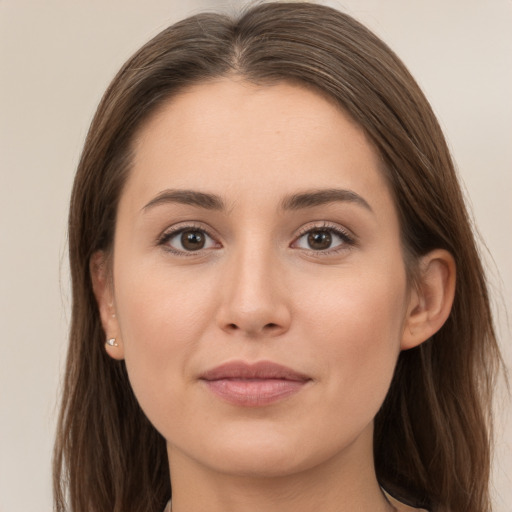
103	291
431	300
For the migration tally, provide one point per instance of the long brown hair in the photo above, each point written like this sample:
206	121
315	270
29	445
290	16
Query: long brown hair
432	434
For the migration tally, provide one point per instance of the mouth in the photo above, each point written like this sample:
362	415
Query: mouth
253	385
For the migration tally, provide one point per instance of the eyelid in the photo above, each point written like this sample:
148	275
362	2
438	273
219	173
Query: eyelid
349	239
176	229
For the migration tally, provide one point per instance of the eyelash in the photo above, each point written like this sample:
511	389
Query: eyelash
347	239
168	235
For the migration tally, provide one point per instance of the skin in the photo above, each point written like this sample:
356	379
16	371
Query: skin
259	291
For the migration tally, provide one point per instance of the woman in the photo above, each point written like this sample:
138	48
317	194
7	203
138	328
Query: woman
278	301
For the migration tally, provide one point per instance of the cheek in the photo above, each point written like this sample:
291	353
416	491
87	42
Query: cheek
159	307
357	324
162	319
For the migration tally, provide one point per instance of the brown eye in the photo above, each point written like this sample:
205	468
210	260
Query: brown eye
324	239
319	240
193	240
187	240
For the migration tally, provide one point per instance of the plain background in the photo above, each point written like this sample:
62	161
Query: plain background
56	59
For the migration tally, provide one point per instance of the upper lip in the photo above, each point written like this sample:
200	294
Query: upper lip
259	370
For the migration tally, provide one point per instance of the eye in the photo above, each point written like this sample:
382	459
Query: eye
187	239
323	239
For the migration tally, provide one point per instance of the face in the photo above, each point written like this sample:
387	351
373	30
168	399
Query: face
259	287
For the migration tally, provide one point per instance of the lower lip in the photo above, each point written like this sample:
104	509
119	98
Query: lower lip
254	392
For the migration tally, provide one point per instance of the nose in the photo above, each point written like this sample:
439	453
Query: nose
254	303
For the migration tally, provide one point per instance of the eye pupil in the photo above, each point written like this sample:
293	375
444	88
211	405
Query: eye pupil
193	240
319	240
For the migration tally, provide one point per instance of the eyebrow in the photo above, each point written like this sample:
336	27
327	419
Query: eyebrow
312	198
302	200
189	197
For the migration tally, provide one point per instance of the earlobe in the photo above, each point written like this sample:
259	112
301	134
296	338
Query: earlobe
103	292
432	298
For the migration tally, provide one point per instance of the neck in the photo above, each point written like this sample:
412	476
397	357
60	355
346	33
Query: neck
343	483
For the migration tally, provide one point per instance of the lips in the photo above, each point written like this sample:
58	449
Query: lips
253	385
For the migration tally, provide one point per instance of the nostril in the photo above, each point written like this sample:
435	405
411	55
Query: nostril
252	324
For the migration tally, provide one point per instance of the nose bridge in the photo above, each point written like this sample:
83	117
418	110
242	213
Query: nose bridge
252	269
253	298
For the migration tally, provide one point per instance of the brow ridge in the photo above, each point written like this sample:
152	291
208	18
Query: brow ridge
312	198
301	200
189	197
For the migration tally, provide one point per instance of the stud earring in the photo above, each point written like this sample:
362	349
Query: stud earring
111	342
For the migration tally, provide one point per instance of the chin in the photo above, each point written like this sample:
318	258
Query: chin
262	463
263	453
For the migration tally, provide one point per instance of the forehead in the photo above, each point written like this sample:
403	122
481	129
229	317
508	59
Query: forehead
229	134
216	111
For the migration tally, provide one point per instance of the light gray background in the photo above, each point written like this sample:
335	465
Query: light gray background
56	59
